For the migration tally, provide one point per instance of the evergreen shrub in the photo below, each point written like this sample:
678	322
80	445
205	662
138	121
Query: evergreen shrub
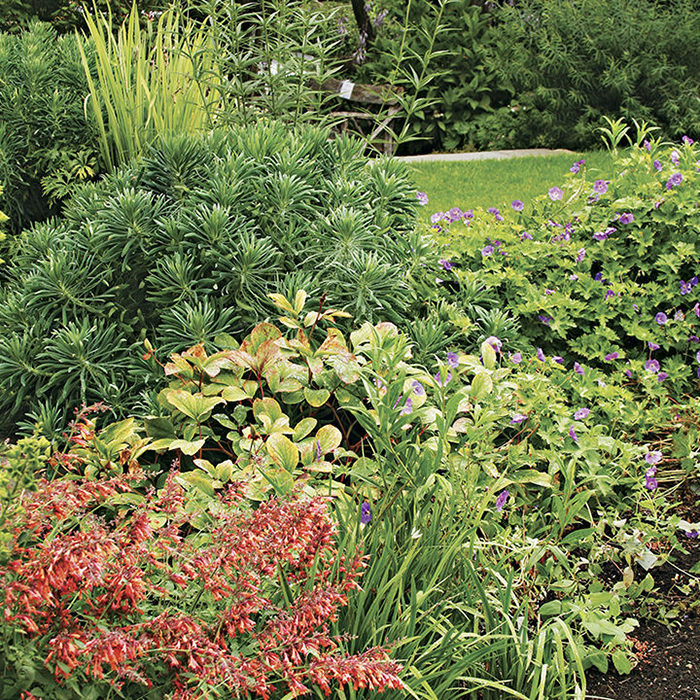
186	244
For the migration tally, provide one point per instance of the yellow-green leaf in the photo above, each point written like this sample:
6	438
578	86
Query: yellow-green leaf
282	451
316	397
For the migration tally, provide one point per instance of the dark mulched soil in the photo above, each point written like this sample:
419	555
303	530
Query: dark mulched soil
669	657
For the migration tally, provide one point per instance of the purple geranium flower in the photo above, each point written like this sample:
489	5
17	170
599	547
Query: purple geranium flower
518	418
661	376
612	356
448	379
545	319
651	483
487	250
422	198
555	194
686	287
657	165
517	205
516	358
647	145
494	342
580	255
674	181
437	216
578	369
558	359
318	451
540	354
609	293
626	218
687	140
455	214
418	389
653	346
582	413
453	360
600	186
408	407
501	500
661	318
653	458
652	366
526	236
572	434
447	265
365	513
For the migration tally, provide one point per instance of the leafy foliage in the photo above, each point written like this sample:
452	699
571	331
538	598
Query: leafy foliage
601	272
46	145
186	245
567	65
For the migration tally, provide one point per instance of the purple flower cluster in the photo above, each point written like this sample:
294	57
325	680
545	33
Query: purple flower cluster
577	165
687	287
674	181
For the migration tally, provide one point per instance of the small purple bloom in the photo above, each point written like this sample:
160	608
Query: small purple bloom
453	360
545	319
555	194
455	214
517	205
686	287
448	378
572	434
657	165
652	366
578	369
540	354
559	360
318	451
549	291
487	250
437	216
501	500
675	157
609	293
408	407
696	309
494	342
447	265
582	413
600	186
516	358
661	376
526	236
518	418
626	218
687	140
647	145
653	346
468	215
674	181
422	198
418	389
661	318
697	355
692	534
581	255
693	281
365	513
651	484
612	356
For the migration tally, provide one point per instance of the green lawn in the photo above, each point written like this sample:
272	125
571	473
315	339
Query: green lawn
496	183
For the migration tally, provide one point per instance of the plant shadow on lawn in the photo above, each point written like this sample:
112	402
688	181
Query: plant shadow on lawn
669	657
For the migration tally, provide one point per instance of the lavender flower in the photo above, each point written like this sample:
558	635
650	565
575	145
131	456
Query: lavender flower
580	255
582	413
408	407
572	434
516	358
494	342
657	165
653	346
453	360
518	418
501	500
686	287
579	369
487	250
446	264
540	354
600	186
555	194
612	356
517	205
422	198
626	218
661	318
661	376
365	513
526	236
418	389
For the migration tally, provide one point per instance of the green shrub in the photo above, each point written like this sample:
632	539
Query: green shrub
602	273
566	65
186	244
46	145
